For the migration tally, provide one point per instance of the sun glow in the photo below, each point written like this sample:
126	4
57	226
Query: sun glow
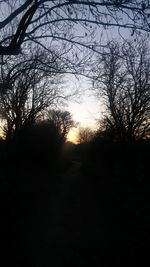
73	135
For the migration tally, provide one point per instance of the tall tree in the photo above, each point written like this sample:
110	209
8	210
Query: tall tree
124	84
28	87
85	135
62	120
72	23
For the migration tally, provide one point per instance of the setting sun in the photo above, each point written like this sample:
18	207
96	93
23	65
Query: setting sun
73	135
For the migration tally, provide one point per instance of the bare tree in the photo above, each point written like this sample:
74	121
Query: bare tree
85	135
62	120
124	84
73	22
28	87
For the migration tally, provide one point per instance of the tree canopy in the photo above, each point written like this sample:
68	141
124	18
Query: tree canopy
67	23
124	84
29	85
62	119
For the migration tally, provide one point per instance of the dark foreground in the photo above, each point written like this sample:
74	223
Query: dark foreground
79	213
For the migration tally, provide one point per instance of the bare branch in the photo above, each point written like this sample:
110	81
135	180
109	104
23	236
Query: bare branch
42	16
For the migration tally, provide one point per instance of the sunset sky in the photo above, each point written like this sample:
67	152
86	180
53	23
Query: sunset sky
84	107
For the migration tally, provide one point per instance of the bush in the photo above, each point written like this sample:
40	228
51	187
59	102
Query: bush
38	145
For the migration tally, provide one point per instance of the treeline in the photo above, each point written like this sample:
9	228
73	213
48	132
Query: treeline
34	126
119	162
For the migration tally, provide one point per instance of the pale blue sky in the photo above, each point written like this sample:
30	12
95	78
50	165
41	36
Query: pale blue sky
86	108
89	108
86	112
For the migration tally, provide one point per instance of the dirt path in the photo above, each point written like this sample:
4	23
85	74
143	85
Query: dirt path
68	223
51	229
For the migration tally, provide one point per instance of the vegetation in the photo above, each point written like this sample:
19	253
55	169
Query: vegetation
62	121
123	83
57	21
29	85
63	204
85	135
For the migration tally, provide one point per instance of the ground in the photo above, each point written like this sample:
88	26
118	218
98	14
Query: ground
68	220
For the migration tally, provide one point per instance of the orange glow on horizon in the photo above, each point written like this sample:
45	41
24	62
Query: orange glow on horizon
73	136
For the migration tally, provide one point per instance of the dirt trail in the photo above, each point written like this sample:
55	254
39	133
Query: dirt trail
69	223
51	231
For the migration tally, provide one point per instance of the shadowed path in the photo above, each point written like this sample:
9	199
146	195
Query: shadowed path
51	226
75	221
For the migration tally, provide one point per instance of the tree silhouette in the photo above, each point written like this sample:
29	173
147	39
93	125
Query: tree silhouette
62	121
57	20
85	135
29	85
124	84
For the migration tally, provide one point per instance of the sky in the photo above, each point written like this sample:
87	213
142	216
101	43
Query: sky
85	114
84	107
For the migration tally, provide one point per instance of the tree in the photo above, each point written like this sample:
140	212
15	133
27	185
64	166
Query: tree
29	85
62	121
73	22
85	135
124	84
